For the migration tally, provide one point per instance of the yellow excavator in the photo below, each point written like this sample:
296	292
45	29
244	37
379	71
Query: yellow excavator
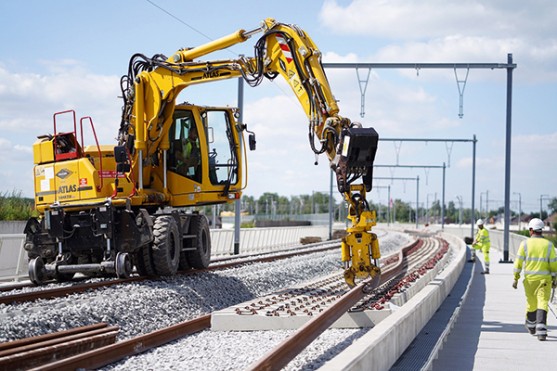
107	208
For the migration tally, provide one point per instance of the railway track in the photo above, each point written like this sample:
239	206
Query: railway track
8	296
411	257
38	350
396	269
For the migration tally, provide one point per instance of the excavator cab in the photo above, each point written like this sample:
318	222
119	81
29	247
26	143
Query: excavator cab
203	161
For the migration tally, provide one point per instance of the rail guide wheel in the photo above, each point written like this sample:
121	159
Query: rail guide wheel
37	271
123	265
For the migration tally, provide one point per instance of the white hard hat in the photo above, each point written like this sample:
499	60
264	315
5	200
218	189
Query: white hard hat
480	222
536	224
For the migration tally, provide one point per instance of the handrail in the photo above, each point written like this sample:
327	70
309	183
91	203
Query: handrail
99	187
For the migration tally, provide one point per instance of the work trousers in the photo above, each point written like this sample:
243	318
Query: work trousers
537	294
485	251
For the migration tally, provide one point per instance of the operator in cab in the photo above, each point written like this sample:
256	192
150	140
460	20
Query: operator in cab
188	156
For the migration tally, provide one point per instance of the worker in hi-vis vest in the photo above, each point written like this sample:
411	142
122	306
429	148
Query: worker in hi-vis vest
537	257
481	242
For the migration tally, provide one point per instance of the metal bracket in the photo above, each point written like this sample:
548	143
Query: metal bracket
363	86
461	84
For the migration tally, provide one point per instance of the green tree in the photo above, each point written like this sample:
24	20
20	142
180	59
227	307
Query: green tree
282	206
435	211
401	211
248	204
320	202
552	205
13	206
295	205
267	203
451	213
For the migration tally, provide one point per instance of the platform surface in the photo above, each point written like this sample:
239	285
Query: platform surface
489	332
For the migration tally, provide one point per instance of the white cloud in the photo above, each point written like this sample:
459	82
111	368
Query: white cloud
418	19
440	31
28	100
16	170
283	162
535	150
530	154
398	106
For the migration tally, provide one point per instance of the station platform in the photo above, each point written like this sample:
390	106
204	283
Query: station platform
480	326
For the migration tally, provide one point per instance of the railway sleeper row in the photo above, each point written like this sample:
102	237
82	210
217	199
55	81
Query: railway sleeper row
291	308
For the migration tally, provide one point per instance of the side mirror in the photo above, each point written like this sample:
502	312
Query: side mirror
251	138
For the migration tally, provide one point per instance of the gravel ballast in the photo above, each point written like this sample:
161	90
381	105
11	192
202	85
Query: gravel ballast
143	307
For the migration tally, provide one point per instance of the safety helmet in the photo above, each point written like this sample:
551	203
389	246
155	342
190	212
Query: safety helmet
480	222
536	224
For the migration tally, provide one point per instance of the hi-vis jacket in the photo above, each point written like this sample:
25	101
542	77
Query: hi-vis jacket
482	239
537	256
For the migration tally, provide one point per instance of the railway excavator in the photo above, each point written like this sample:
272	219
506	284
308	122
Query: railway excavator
105	209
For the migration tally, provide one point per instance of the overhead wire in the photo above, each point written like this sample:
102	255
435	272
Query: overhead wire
179	20
186	24
288	96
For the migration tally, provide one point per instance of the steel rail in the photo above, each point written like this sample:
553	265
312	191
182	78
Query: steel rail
279	357
413	267
39	350
217	262
113	353
289	348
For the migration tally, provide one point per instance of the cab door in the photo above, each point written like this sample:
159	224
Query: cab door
223	147
217	172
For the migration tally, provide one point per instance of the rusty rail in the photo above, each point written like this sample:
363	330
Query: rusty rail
288	349
59	292
39	350
112	353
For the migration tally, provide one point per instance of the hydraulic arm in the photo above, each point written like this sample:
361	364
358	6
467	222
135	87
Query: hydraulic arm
283	50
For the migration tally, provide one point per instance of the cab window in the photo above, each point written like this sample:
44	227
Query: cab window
223	163
184	156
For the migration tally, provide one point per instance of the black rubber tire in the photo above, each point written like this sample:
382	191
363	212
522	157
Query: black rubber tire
201	256
167	245
143	261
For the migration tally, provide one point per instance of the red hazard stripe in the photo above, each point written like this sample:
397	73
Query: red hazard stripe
285	49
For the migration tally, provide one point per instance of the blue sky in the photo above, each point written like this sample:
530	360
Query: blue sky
63	54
